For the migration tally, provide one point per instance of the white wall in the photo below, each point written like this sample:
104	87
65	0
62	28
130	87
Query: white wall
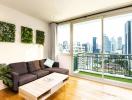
15	52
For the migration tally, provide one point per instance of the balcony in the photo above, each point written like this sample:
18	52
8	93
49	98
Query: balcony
111	66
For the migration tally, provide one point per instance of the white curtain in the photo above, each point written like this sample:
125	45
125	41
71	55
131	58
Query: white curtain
53	28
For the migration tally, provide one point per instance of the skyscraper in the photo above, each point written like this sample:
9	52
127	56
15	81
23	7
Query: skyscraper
119	43
94	45
128	37
85	47
107	44
128	41
113	45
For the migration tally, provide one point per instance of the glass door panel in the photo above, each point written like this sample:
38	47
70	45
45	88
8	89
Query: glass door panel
87	47
117	47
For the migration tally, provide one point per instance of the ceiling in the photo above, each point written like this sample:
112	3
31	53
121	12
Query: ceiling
60	10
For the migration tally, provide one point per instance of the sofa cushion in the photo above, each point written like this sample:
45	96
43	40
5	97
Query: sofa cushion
49	62
40	73
58	70
33	66
20	68
42	63
25	78
55	64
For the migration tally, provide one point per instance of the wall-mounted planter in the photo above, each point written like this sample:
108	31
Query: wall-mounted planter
40	37
26	35
7	32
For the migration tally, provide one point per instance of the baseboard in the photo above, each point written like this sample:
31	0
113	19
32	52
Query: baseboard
2	86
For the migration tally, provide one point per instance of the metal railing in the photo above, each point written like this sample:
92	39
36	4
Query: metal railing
112	63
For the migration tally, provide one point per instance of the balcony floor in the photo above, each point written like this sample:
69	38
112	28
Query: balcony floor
115	77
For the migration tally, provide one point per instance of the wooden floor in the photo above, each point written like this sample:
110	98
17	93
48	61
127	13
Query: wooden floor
80	89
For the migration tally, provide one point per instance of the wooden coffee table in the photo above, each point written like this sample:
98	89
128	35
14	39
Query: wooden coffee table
42	88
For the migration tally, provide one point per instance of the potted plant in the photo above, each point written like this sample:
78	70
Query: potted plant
5	75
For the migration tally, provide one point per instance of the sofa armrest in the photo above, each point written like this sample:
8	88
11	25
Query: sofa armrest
56	64
15	79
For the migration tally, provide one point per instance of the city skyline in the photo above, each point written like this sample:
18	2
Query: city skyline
113	27
114	34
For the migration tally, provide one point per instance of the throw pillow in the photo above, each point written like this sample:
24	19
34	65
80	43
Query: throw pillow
49	62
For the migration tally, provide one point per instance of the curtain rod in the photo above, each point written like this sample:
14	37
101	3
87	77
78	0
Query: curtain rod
96	13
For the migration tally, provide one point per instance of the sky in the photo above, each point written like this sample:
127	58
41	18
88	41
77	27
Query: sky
84	31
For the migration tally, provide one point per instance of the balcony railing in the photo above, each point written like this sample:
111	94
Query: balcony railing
112	64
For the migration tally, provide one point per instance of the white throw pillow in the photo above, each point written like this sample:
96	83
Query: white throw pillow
49	62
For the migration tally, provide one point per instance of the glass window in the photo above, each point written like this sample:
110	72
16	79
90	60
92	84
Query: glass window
117	34
87	45
117	45
87	37
63	38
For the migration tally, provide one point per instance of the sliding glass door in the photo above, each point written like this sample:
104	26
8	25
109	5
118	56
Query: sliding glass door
118	47
103	48
87	46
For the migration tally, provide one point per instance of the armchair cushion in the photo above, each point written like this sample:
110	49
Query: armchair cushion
26	78
40	73
20	68
33	66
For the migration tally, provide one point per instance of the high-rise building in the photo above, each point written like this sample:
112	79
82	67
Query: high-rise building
113	45
107	44
123	49
94	45
77	47
119	43
85	47
128	37
89	47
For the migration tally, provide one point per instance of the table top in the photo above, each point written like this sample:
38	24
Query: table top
42	85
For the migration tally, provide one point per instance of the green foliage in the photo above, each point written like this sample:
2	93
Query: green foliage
26	35
75	62
118	59
40	37
5	74
7	32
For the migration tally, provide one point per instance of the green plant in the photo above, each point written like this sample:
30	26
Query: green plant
40	37
5	74
7	32
26	35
